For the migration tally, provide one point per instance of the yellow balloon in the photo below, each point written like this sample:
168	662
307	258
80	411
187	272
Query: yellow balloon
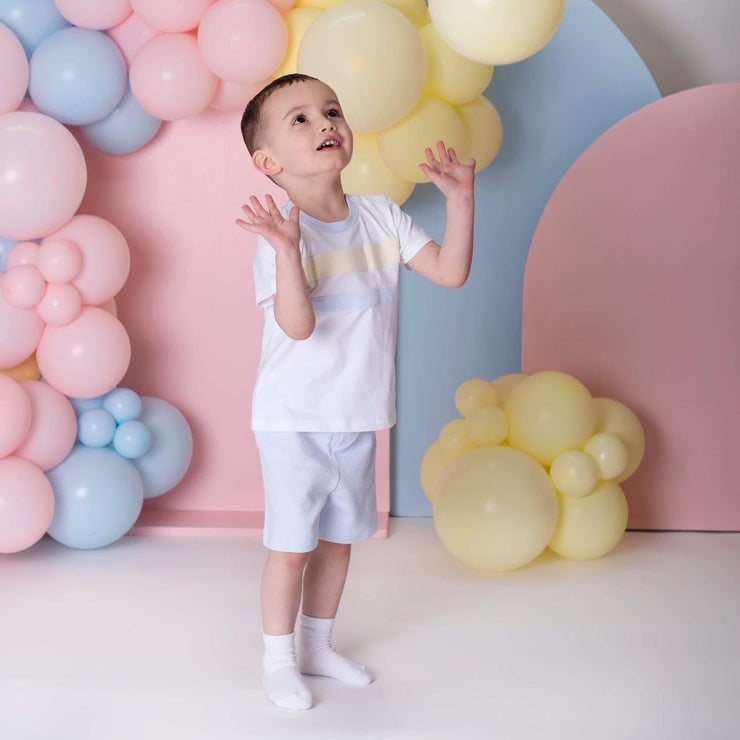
609	453
549	413
27	370
495	509
496	31
402	146
485	131
613	417
297	21
488	426
451	76
368	174
574	473
434	463
454	438
473	394
373	58
590	526
415	10
505	384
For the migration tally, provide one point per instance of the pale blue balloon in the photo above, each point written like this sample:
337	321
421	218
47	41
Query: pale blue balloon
81	405
123	403
98	496
77	76
132	439
31	21
95	428
126	129
168	458
5	246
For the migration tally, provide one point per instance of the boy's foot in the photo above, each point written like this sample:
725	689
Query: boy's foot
285	688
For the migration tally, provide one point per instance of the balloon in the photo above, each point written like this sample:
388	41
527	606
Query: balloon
297	22
487	425
454	438
22	330
590	526
402	146
24	253
609	453
126	129
15	420
368	174
131	35
42	175
171	15
495	509
496	31
549	412
484	129
31	20
132	439
283	5
59	260
23	286
94	15
105	257
98	496
14	64
434	463
26	370
26	504
613	417
242	40
168	458
60	305
231	96
415	10
85	404
96	427
77	76
472	395
53	426
123	404
574	473
86	358
505	384
373	58
169	78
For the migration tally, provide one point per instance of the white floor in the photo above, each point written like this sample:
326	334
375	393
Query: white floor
156	638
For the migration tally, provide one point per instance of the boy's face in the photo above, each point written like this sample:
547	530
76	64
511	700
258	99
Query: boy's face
304	132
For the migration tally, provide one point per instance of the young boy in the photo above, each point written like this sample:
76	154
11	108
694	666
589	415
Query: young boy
326	273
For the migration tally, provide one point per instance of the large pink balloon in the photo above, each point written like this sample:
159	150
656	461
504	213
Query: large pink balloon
243	40
171	15
131	35
169	78
105	257
86	358
20	332
53	426
15	415
42	175
95	15
26	504
233	95
14	65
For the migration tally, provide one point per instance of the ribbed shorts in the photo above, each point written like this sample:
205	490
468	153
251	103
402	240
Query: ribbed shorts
318	485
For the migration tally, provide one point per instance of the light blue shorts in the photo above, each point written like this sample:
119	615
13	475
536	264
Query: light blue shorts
318	485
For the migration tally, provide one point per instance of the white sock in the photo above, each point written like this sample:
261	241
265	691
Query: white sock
281	679
318	658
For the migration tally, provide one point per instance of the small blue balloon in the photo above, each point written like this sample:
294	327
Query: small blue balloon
132	439
77	76
128	128
123	403
98	497
31	21
168	458
85	404
5	246
95	428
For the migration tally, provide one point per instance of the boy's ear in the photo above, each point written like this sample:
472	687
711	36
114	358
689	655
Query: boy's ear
265	163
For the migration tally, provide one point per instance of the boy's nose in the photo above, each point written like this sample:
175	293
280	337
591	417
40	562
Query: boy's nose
328	125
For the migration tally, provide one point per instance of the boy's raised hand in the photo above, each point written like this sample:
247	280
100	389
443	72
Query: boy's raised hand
451	177
269	223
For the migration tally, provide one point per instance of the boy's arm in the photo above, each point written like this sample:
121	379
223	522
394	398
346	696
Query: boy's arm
449	264
294	311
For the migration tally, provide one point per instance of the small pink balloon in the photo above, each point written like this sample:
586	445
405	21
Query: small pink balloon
243	40
59	260
60	305
95	15
23	286
171	15
25	253
283	5
53	426
14	65
86	358
131	35
169	78
15	419
21	332
26	504
105	257
231	96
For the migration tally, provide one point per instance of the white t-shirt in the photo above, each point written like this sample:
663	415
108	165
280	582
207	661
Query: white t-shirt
343	377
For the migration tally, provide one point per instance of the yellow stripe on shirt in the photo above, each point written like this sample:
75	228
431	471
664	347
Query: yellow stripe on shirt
355	259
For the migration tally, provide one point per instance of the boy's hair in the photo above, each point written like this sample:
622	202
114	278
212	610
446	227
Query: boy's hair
251	119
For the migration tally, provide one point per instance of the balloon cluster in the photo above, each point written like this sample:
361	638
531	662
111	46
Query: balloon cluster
534	462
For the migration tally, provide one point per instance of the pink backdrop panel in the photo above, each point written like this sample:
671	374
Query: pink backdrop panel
633	286
188	306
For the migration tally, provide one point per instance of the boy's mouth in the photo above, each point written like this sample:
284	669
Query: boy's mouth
328	144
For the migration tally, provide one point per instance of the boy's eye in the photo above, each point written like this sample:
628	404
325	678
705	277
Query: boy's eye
333	113
299	119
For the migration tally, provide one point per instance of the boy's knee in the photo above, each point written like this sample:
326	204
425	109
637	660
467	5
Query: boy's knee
289	560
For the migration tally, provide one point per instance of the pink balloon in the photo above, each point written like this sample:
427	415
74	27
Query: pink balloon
14	65
105	257
131	35
171	15
26	504
243	40
59	260
60	305
233	95
15	419
283	5
42	175
86	358
95	15
169	78
23	286
21	332
53	426
25	253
